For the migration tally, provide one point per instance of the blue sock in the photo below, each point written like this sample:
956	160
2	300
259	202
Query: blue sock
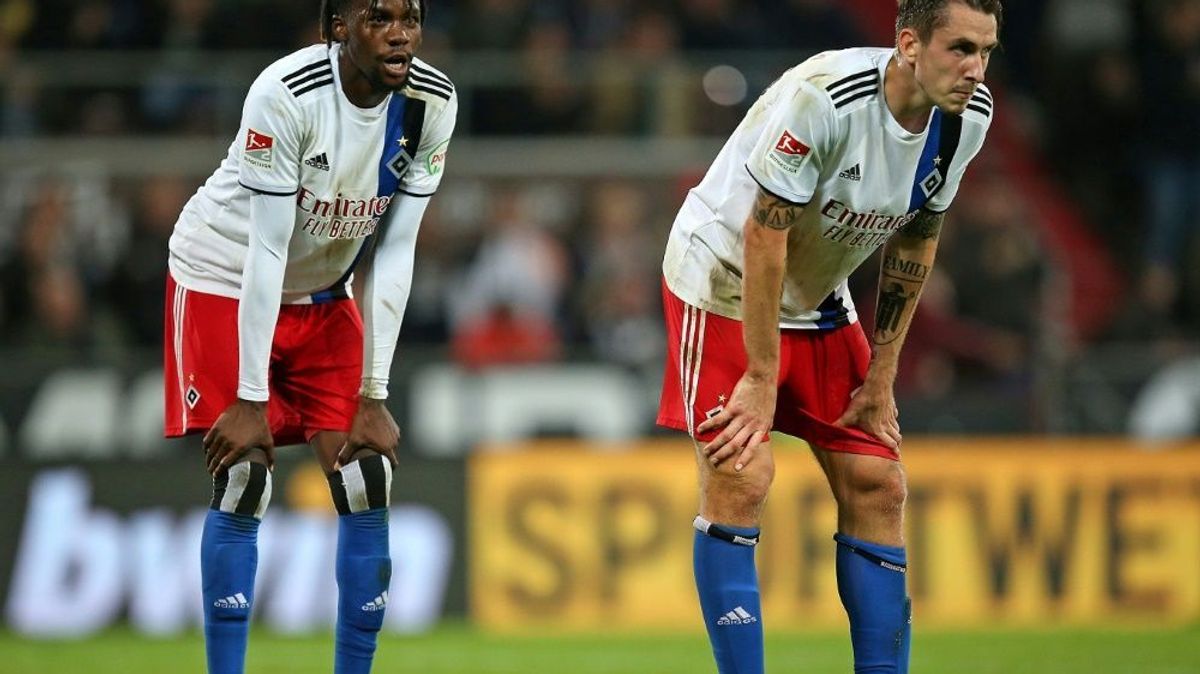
729	599
364	570
228	560
871	584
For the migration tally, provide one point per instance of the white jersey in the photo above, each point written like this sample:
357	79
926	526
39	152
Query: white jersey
301	136
821	136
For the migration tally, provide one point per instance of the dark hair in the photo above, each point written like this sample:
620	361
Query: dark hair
331	8
925	16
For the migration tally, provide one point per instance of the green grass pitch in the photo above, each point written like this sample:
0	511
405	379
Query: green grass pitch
460	650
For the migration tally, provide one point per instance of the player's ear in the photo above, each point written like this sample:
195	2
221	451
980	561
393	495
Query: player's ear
337	26
908	45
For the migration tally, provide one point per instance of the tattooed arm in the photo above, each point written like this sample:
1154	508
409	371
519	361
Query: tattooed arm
765	251
907	261
750	412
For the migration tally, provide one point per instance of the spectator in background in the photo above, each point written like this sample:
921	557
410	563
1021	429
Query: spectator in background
493	24
617	299
16	17
136	287
993	252
629	96
503	336
61	317
19	91
811	25
553	101
18	103
174	96
716	25
546	99
1077	38
1092	152
1170	75
598	24
514	287
74	24
44	295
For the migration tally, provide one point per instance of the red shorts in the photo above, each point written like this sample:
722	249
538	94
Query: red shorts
315	371
818	370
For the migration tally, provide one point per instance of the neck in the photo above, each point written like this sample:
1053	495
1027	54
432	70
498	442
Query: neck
905	99
358	89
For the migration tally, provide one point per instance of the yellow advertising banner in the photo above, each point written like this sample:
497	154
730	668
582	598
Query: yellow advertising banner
1011	532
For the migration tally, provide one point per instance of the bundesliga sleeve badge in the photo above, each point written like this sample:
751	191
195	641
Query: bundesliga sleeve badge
789	152
258	149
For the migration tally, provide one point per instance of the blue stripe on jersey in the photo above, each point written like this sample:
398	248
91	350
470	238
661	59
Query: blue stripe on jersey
926	167
389	176
834	313
337	291
389	181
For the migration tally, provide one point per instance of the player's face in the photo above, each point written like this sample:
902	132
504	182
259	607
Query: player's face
952	64
380	40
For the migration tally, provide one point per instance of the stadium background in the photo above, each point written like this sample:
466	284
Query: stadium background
1050	387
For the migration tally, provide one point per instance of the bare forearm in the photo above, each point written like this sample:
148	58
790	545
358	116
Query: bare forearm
907	262
766	232
762	283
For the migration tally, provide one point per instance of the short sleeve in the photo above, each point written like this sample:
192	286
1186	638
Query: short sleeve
786	159
941	201
423	178
270	138
974	133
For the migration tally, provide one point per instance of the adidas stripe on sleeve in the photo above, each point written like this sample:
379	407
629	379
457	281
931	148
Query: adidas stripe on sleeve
976	120
441	110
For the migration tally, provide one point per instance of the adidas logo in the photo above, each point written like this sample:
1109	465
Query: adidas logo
318	162
853	173
236	601
738	616
377	604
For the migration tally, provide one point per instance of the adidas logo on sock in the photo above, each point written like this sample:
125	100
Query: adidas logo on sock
235	601
318	162
738	616
377	604
853	173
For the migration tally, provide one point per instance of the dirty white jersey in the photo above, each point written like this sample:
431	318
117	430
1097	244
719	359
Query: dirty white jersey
821	136
301	137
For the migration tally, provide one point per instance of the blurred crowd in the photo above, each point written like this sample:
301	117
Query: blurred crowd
1106	93
461	24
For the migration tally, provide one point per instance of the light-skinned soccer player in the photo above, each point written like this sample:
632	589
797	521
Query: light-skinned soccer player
849	151
340	148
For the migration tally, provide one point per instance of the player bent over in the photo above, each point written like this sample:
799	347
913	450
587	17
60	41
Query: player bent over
849	151
341	146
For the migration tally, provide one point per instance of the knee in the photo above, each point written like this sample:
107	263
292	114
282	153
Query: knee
245	488
750	485
877	486
365	483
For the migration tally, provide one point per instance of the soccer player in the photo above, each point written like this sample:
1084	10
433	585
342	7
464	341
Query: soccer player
849	151
340	148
